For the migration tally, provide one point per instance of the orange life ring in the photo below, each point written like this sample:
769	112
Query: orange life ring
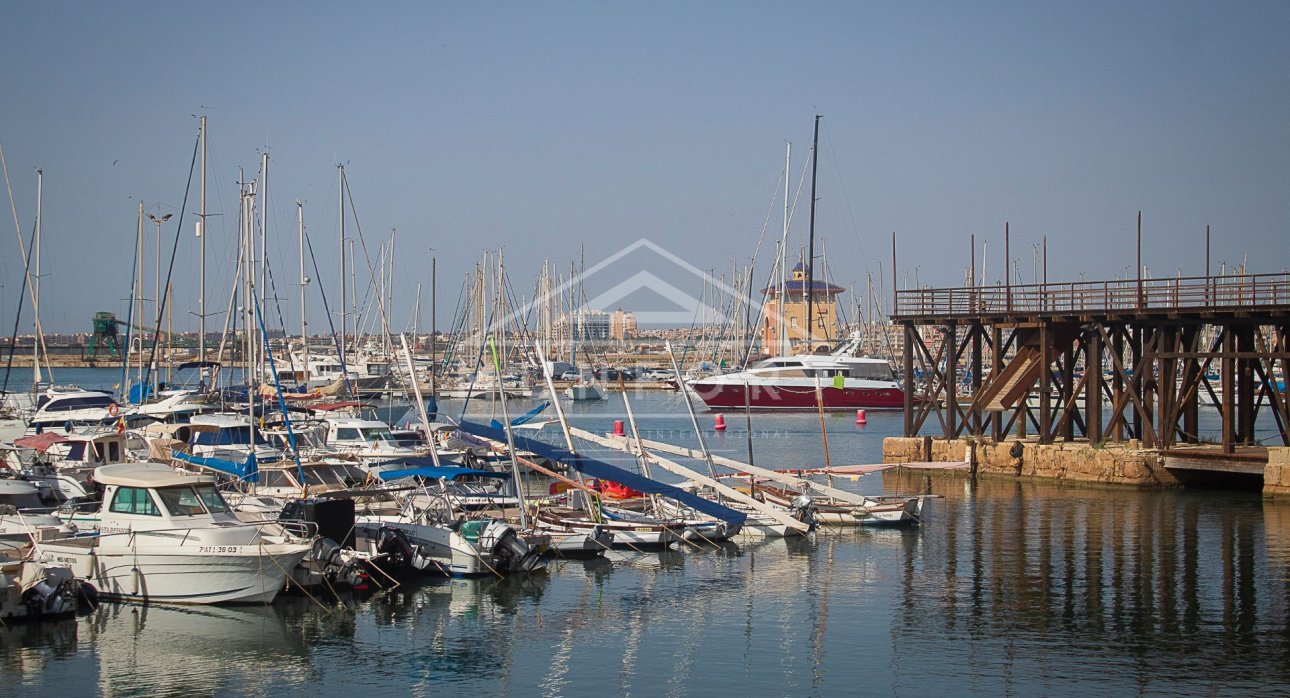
113	410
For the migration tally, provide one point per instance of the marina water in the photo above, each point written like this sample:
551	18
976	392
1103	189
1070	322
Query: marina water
1018	588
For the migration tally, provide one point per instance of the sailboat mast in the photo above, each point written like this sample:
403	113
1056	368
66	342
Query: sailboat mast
780	328
201	245
304	284
340	201
138	376
35	342
434	302
264	247
810	255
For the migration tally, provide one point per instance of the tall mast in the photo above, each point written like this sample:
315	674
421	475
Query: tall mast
434	367
138	376
263	206
201	245
780	339
810	255
340	200
304	285
35	296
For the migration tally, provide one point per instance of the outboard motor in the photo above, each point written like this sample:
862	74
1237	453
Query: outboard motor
55	595
327	555
509	552
804	510
394	542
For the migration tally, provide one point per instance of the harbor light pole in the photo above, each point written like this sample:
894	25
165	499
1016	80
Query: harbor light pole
157	286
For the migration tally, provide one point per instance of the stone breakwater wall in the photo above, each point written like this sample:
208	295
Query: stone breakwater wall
1276	475
1113	464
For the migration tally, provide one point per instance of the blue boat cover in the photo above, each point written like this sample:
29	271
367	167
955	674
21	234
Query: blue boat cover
248	470
447	472
605	471
524	418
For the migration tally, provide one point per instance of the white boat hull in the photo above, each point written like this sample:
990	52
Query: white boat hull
182	574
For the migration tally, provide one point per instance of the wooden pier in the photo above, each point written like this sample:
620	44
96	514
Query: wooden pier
1029	360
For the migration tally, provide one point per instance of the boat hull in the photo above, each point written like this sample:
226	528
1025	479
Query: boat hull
180	574
734	396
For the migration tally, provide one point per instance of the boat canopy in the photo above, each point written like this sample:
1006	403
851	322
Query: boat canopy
605	471
248	470
41	442
435	473
145	475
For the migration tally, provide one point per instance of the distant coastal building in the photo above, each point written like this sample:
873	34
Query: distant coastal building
824	328
622	325
585	325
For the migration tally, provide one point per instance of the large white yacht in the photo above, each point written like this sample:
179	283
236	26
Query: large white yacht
835	381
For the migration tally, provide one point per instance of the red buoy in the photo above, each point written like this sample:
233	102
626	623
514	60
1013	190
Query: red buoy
720	423
618	428
860	418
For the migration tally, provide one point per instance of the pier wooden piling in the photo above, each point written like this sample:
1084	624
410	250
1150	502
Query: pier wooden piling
1167	344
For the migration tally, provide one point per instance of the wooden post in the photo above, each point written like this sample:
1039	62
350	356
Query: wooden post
996	367
951	351
978	332
1229	389
1093	386
1045	383
909	378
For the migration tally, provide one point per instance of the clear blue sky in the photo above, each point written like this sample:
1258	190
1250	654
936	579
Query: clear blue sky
542	126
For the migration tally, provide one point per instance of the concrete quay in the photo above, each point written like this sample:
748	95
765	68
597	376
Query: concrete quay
1113	464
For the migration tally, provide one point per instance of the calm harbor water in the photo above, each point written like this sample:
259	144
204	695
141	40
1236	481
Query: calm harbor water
1007	588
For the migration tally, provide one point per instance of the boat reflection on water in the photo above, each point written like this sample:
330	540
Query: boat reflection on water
26	649
195	650
1166	585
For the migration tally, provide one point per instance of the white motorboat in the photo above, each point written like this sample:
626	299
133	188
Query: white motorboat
458	549
57	408
585	391
168	536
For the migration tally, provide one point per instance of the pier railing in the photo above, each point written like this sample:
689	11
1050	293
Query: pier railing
1179	294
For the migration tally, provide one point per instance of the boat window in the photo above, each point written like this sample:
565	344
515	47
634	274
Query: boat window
226	436
873	372
347	434
211	498
377	434
134	500
114	452
79	403
181	501
277	478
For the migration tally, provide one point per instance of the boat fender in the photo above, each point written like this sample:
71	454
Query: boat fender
1017	450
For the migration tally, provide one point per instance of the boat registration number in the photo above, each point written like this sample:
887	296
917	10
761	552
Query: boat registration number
219	549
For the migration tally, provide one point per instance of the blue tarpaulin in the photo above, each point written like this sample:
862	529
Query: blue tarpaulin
434	473
524	418
605	471
248	470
